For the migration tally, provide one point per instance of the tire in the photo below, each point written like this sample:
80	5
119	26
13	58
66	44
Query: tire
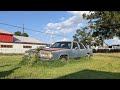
64	58
88	55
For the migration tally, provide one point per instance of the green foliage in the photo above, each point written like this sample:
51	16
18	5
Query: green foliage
50	64
85	36
101	25
25	60
40	48
25	35
29	60
105	23
18	33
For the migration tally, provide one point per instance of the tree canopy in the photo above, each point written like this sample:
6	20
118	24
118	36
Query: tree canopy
106	24
18	33
102	25
84	35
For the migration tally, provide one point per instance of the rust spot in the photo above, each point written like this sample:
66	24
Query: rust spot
53	49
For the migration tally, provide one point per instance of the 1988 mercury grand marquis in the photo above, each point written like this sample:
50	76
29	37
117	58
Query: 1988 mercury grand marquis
66	50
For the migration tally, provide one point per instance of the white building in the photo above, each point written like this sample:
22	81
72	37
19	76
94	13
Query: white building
17	44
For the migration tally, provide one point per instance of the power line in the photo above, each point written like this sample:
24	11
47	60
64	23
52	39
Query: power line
32	30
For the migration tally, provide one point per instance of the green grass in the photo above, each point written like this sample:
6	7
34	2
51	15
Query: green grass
100	66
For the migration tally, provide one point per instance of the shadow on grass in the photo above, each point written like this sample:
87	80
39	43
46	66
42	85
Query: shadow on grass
91	74
5	65
6	73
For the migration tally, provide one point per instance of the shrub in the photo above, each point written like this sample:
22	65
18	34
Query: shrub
29	60
50	64
40	48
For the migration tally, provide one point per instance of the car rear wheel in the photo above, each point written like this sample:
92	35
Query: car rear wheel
88	55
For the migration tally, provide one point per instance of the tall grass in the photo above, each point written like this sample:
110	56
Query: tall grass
35	61
104	66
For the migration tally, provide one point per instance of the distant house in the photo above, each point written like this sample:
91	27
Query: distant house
95	46
115	46
17	44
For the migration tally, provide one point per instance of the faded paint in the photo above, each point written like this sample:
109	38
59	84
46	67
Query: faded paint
53	49
70	53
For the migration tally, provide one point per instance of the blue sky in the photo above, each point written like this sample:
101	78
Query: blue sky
54	22
36	20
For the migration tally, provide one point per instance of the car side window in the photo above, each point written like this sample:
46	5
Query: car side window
81	46
75	45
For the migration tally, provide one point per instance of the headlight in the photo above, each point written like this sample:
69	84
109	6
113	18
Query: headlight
43	55
47	55
51	55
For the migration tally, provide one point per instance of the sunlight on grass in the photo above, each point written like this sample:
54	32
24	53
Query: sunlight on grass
106	65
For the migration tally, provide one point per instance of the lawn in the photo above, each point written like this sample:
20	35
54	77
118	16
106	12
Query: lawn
100	66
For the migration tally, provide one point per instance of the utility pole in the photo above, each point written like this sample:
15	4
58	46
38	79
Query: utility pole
23	28
51	39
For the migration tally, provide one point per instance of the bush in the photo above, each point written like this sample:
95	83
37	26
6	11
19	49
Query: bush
31	57
29	60
50	64
40	48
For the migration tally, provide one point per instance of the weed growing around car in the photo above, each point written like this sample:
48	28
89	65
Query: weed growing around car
100	66
35	61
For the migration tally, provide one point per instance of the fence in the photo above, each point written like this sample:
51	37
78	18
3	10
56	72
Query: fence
108	50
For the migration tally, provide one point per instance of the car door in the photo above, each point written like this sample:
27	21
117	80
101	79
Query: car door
75	50
83	50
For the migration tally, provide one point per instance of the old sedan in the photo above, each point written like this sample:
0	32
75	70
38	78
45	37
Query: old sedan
66	50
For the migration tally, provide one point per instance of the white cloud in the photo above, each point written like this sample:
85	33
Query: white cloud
116	40
64	39
78	13
68	25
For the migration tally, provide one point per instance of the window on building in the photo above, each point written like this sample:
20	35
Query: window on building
6	46
27	46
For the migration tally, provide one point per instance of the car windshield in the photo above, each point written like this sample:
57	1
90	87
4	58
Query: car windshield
66	45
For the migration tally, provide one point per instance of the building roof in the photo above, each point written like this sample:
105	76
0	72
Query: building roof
4	31
21	39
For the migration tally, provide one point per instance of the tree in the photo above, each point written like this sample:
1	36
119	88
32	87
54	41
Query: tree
106	24
25	35
18	33
85	36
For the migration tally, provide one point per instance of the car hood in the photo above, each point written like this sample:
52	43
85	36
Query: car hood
53	49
